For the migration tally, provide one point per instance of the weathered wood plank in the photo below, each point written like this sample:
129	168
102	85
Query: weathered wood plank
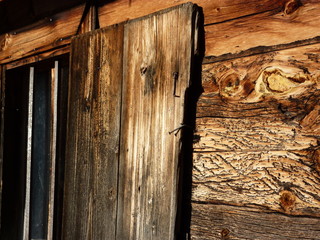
254	33
157	74
259	178
251	133
93	135
57	31
214	11
39	57
261	102
211	221
53	146
257	132
42	36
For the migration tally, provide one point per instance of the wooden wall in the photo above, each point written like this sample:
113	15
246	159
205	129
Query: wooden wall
256	146
256	160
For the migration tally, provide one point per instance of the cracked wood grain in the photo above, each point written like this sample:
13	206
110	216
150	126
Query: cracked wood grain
256	141
264	32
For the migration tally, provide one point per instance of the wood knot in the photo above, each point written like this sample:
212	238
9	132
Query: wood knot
143	70
233	87
291	6
287	200
225	233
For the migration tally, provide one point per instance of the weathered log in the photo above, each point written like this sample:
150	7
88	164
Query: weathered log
257	132
211	221
265	32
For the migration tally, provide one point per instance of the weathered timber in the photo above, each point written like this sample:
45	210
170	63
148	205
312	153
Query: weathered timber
57	31
212	221
136	199
214	11
260	31
46	35
257	135
157	69
39	57
93	135
266	178
53	146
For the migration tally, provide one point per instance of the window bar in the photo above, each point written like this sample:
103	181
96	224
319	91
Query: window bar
53	143
28	164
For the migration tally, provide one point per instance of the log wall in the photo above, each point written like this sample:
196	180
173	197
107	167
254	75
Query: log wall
256	161
256	144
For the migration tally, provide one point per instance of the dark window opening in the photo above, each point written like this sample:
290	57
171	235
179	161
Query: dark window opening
33	158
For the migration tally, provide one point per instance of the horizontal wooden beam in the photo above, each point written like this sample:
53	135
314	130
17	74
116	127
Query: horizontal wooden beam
268	31
46	35
214	11
233	28
57	31
210	221
39	57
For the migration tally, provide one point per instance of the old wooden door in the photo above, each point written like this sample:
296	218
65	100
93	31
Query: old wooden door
127	95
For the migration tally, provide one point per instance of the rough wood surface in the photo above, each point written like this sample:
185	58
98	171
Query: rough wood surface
255	33
46	35
230	223
39	57
93	135
136	199
257	135
157	73
57	31
214	11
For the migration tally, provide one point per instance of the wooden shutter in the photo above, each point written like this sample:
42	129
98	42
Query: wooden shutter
127	94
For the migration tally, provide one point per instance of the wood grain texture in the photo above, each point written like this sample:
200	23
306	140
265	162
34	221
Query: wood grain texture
214	11
257	140
39	57
149	94
157	74
56	31
230	223
46	35
263	30
93	135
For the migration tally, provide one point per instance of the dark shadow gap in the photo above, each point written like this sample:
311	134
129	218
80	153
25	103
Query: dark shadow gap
193	93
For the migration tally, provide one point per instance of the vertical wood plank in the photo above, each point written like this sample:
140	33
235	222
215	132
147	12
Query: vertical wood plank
53	141
157	64
93	135
29	156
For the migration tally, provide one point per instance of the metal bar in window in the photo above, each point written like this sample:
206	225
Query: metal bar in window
29	155
53	143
